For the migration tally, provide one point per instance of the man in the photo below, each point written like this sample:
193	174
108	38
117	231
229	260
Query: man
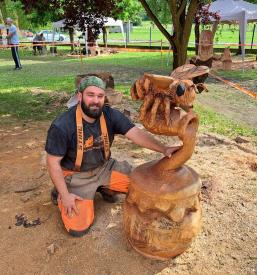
38	39
13	40
78	154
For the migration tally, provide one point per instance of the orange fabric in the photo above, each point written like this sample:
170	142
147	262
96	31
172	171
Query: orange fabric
83	220
119	182
89	143
80	138
67	173
105	137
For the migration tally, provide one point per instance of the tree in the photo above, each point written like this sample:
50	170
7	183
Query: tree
86	14
14	10
3	10
204	16
129	10
182	13
161	10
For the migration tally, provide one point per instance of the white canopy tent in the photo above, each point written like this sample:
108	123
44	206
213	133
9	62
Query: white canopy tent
110	22
237	11
59	24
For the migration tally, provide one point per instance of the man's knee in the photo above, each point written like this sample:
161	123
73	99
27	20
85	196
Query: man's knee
78	225
76	233
76	229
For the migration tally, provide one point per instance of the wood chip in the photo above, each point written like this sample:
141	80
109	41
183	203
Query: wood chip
111	225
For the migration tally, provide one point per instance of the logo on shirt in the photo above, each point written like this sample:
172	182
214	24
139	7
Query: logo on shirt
92	144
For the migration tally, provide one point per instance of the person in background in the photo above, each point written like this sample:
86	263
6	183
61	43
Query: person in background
38	39
13	41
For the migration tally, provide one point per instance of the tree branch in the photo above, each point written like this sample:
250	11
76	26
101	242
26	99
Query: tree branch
189	19
173	10
156	21
182	7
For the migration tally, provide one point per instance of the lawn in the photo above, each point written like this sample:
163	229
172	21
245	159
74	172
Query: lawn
225	34
147	31
56	74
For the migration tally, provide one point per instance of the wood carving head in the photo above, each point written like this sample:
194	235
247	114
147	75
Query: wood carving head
163	94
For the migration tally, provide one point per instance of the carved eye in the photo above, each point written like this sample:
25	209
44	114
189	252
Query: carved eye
180	89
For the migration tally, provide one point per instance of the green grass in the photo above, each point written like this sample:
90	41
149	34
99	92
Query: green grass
25	105
224	34
239	75
56	74
211	121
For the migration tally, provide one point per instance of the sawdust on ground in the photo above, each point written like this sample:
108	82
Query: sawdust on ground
227	243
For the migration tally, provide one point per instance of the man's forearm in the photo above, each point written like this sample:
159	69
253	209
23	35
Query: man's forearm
144	139
9	35
56	175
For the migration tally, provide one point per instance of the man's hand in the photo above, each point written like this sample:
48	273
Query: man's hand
69	203
171	150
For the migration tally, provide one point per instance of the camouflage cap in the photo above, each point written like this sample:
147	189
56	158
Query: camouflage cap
91	81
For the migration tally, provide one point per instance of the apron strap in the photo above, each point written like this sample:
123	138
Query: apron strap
105	137
80	137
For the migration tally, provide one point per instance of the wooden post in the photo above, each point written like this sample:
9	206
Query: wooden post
226	60
150	42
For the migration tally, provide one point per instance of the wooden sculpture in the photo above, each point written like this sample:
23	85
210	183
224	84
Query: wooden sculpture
205	48
226	60
162	212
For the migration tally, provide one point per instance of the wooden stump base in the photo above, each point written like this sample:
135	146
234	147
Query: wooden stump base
162	212
114	97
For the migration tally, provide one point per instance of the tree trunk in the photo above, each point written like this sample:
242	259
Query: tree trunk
104	36
71	34
197	37
1	16
91	38
179	55
182	14
3	9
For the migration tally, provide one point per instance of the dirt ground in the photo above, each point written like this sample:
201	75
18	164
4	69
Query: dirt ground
227	243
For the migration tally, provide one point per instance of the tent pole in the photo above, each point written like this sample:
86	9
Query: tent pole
86	40
243	27
254	26
81	58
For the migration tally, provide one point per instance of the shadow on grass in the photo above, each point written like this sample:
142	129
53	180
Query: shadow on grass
58	73
26	105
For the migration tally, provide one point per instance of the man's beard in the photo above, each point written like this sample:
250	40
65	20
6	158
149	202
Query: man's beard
91	112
